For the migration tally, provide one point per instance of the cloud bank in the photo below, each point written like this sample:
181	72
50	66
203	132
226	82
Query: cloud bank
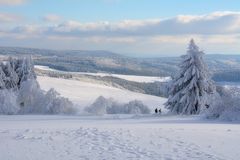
214	23
9	18
214	28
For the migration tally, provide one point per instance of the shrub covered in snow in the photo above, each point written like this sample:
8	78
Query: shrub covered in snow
99	106
8	103
226	105
109	106
35	101
55	104
136	107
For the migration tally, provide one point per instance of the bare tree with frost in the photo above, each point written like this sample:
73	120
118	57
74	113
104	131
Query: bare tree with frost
25	69
192	87
2	79
12	79
15	71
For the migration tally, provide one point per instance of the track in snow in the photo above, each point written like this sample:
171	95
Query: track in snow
61	137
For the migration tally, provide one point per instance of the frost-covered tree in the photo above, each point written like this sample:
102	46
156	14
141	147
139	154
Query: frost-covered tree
190	89
32	99
99	106
25	69
55	104
2	79
136	107
103	106
226	104
12	79
14	71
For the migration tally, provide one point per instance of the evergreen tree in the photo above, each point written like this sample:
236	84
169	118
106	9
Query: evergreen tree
190	89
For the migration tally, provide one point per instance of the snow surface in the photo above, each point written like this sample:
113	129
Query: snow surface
117	137
146	79
85	93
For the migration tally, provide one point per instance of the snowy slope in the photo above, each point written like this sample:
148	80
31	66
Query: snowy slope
146	79
98	138
134	78
46	68
84	93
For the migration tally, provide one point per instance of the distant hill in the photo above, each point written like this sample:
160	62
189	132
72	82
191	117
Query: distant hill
223	67
47	52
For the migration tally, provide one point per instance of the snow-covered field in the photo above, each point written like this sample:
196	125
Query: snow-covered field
119	137
85	93
146	79
116	137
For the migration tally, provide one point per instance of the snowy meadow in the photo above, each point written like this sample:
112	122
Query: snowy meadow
117	137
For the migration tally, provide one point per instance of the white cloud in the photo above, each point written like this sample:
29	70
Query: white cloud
9	18
11	2
111	40
210	39
52	18
28	29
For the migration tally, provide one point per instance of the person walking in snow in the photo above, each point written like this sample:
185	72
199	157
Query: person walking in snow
156	110
160	111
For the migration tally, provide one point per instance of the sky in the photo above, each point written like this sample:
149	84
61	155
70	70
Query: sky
142	28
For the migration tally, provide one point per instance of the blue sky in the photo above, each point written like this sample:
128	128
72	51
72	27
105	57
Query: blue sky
115	10
130	27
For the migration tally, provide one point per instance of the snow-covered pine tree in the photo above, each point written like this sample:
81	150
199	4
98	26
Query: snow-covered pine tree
191	88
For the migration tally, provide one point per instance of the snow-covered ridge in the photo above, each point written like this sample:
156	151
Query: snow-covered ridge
146	79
